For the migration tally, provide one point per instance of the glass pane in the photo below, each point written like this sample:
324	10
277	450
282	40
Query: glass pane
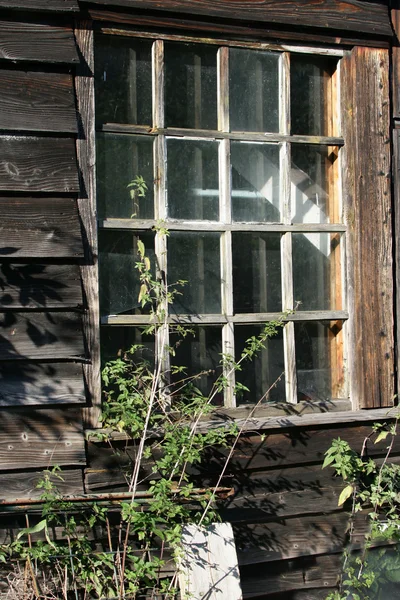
255	182
200	353
116	341
314	184
313	104
123	80
319	360
123	161
317	271
190	86
119	279
192	180
256	272
195	258
264	374
253	90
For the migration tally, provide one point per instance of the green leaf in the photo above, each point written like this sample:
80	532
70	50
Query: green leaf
381	436
345	494
328	461
35	529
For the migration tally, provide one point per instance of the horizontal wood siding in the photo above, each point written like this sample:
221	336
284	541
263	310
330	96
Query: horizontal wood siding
41	384
32	101
33	164
41	438
367	204
42	5
32	335
24	484
36	285
37	42
345	15
40	227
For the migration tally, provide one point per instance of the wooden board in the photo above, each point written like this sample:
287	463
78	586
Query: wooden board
31	101
31	335
367	204
395	16
41	438
23	484
36	285
37	42
229	30
42	5
40	228
41	384
263	580
209	565
86	152
32	164
348	15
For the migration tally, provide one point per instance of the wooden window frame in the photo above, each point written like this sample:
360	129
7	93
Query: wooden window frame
317	412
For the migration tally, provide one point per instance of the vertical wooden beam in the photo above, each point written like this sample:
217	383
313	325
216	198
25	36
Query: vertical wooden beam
86	153
367	207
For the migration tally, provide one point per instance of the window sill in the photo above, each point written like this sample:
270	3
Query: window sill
276	417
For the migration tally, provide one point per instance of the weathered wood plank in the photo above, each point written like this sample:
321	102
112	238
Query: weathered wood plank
367	203
86	152
347	15
31	164
24	484
395	18
42	5
41	438
31	101
37	42
40	286
185	26
32	335
41	384
264	580
396	208
40	228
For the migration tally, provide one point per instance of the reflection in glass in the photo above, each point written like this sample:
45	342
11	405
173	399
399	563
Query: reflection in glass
190	86
195	258
255	182
120	160
256	272
312	97
123	80
312	186
253	90
319	360
200	353
192	180
117	341
119	279
317	271
264	374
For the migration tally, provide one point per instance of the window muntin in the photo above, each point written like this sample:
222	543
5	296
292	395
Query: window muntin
253	212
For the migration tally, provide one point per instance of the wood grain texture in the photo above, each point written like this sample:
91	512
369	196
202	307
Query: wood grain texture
395	17
31	101
396	208
41	438
367	205
37	42
31	164
198	26
348	15
86	152
32	335
23	484
40	227
34	285
55	6
41	384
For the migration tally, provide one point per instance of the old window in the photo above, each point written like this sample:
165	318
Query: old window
239	146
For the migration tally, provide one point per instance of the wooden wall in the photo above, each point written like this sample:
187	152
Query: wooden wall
288	528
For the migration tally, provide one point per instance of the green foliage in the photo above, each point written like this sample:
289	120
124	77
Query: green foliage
160	407
373	487
137	189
